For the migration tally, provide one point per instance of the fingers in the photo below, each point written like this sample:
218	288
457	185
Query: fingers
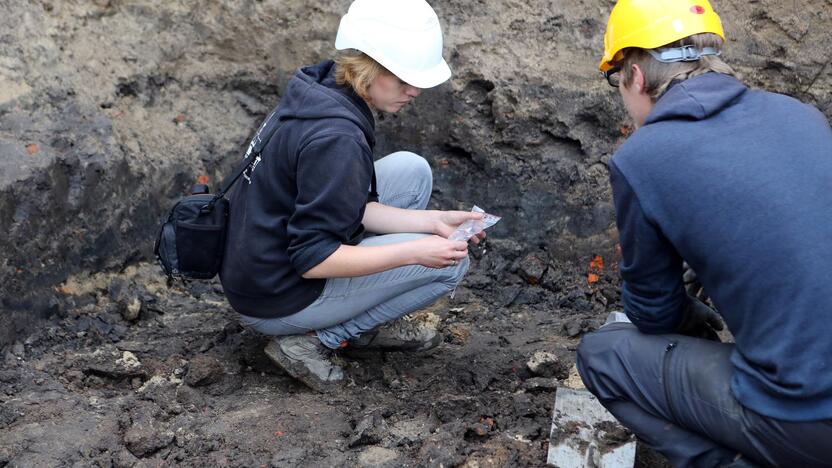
460	217
460	246
456	258
478	237
469	214
688	275
715	322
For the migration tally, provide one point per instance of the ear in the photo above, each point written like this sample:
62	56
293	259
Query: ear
638	78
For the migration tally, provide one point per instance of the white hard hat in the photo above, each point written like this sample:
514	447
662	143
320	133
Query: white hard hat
402	35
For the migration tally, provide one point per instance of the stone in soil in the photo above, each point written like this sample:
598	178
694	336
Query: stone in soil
371	429
204	370
540	384
111	363
532	268
545	364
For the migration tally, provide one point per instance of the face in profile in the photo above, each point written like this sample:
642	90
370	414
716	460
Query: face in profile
390	94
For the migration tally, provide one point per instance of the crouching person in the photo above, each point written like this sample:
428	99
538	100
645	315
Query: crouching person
736	182
298	264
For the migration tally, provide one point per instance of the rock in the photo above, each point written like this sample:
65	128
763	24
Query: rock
477	280
522	404
18	350
129	361
8	415
508	294
143	440
528	429
553	280
204	370
371	429
573	328
508	248
162	391
532	269
481	429
110	363
540	384
118	290
545	364
191	399
132	309
530	295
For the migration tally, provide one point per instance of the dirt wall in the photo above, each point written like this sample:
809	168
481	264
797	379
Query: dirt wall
110	109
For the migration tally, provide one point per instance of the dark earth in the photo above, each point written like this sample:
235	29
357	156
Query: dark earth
111	109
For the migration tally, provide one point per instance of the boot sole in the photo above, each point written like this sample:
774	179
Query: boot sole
298	370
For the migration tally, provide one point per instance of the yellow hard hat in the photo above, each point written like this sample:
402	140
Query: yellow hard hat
649	24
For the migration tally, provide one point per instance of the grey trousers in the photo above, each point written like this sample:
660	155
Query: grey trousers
348	307
673	392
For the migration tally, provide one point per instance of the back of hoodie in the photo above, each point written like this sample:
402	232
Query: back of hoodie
739	184
303	200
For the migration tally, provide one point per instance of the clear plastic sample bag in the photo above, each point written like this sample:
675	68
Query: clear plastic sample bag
472	227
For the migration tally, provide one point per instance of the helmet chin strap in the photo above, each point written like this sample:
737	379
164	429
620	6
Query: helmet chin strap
686	53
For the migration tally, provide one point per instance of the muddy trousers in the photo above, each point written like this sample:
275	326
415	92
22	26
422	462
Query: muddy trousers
348	307
674	393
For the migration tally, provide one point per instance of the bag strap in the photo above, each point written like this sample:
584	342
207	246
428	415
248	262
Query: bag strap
251	159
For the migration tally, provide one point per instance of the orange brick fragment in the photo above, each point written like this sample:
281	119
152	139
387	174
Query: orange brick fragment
596	268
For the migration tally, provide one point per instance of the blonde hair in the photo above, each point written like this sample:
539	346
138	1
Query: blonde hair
358	70
658	75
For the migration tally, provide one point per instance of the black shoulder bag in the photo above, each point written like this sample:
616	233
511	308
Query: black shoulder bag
191	242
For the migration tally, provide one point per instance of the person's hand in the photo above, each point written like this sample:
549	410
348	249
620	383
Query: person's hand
700	321
438	252
692	285
446	223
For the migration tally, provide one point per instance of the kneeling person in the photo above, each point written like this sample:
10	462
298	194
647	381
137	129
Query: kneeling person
298	265
736	182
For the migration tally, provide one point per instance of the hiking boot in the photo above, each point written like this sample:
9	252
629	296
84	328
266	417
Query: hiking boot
305	358
399	335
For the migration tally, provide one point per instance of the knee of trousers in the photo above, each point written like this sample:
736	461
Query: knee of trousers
453	275
416	169
600	359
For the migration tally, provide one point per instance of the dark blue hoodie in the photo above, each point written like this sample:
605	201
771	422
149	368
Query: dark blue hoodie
739	184
305	198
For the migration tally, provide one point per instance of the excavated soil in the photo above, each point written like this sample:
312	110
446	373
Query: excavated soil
110	109
142	374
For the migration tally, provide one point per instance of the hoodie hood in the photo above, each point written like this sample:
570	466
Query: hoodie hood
697	98
313	94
